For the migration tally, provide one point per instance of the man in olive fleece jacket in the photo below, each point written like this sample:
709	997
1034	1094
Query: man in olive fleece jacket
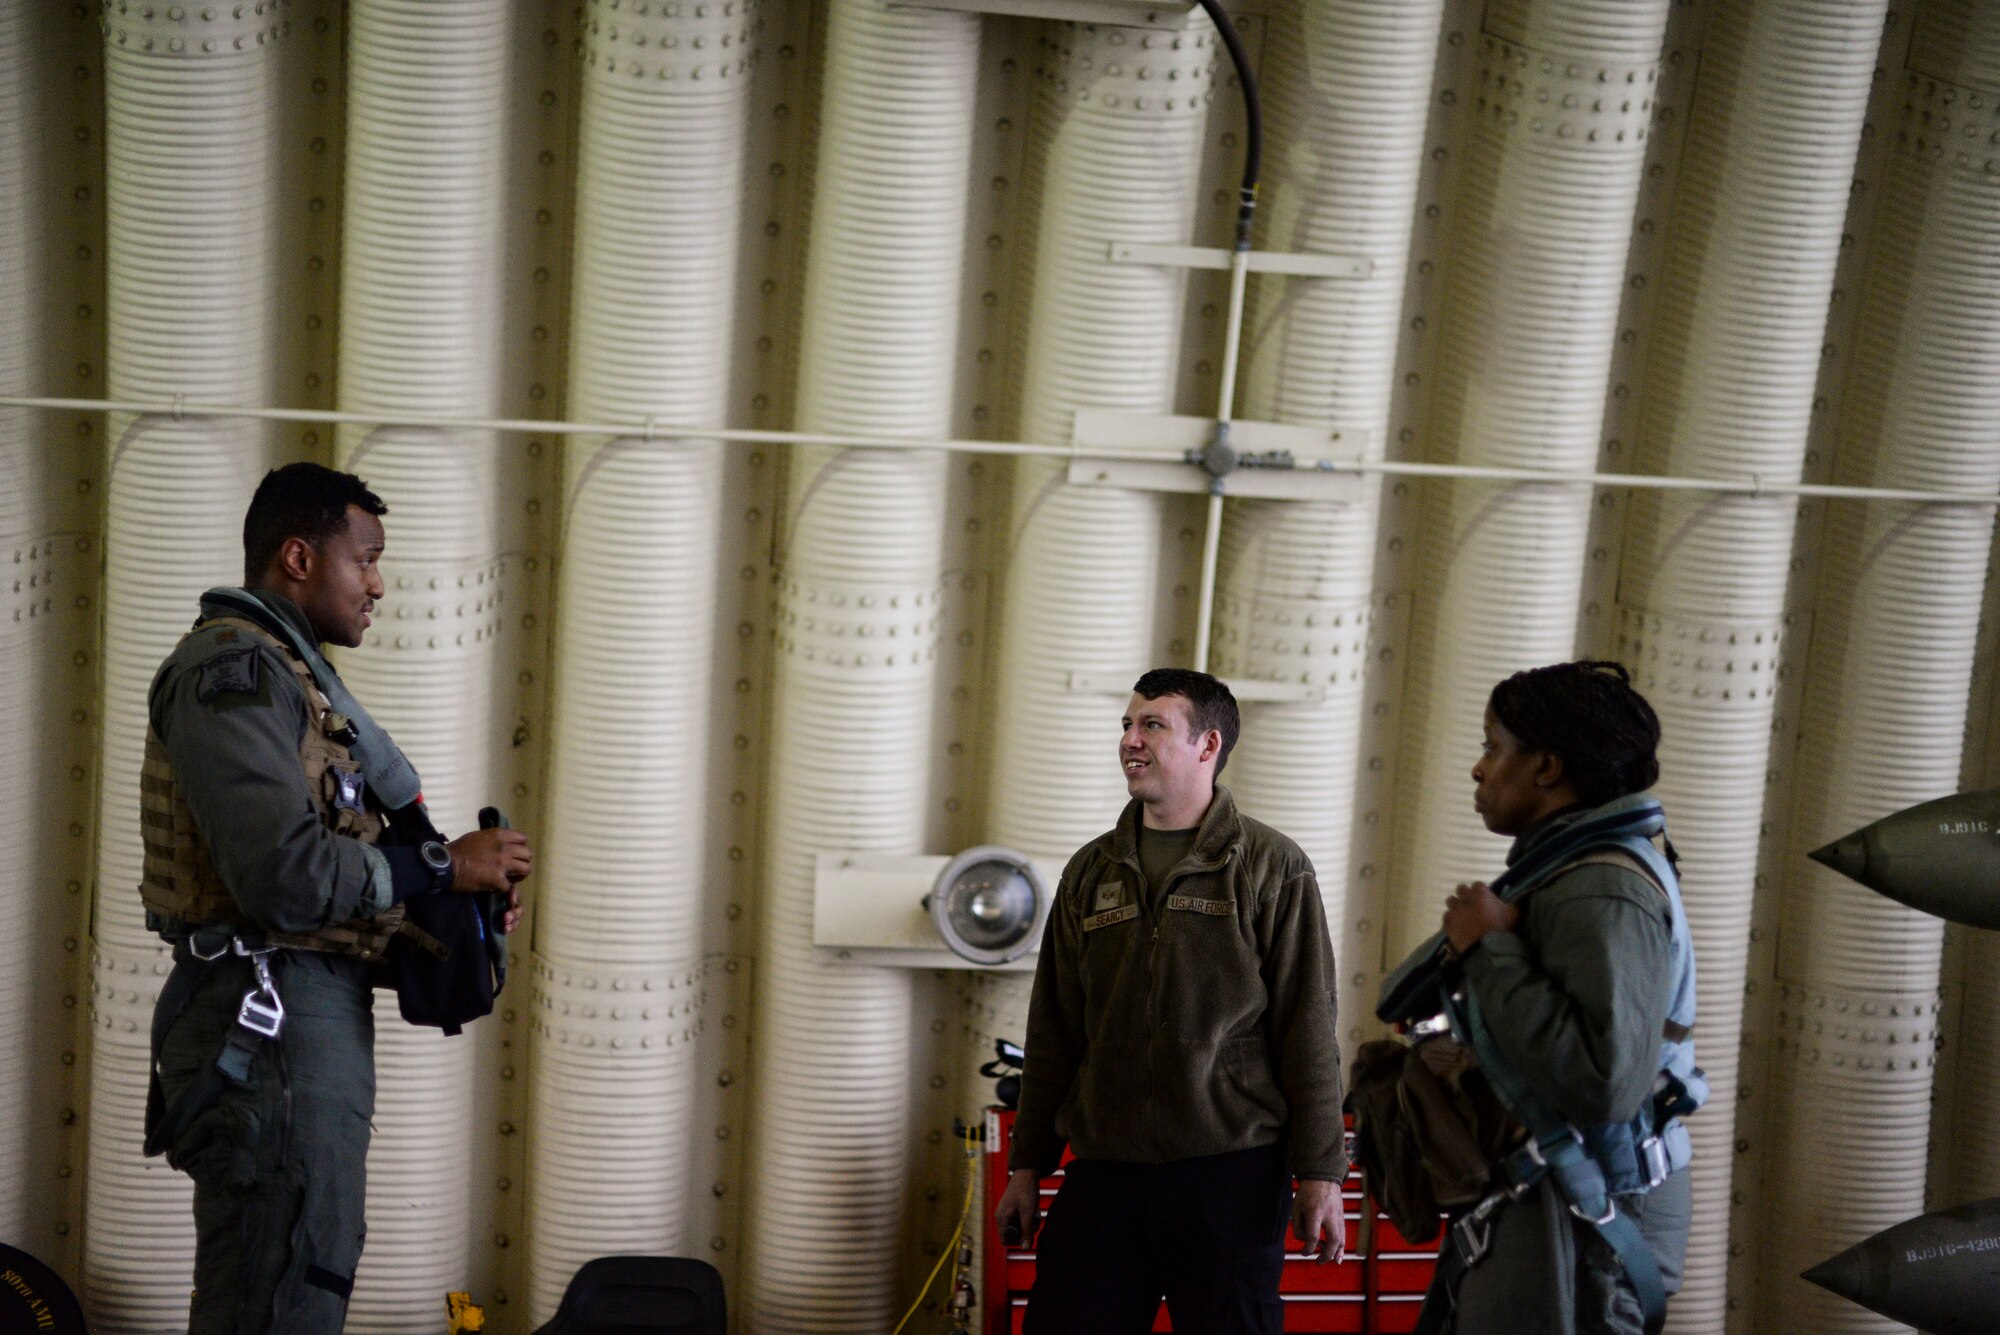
1181	1040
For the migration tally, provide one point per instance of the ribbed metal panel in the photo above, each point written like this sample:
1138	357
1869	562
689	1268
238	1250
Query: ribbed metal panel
419	332
1550	175
1118	123
1763	188
1349	88
665	93
191	162
855	654
1972	1139
1897	620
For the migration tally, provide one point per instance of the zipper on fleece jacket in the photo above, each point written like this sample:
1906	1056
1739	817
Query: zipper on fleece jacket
1157	913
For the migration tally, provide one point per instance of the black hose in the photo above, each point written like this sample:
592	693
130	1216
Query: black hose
1253	115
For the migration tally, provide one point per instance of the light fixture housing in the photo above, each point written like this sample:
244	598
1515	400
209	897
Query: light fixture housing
989	904
898	910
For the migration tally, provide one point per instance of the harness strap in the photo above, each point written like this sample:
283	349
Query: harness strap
256	1023
1554	1148
1578	1180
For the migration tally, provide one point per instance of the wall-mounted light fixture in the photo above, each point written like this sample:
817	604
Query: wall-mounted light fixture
983	909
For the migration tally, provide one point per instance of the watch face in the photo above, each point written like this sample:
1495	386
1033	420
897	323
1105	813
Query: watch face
435	855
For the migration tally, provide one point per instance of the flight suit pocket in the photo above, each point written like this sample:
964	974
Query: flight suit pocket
220	1151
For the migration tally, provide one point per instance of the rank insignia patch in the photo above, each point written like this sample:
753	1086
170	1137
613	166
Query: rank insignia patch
233	672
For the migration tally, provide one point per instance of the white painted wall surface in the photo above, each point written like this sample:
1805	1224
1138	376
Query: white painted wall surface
785	215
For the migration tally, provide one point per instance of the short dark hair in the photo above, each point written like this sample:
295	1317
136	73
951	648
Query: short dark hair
300	501
1587	714
1210	704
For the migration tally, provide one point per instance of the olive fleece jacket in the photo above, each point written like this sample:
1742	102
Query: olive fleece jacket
1577	994
1190	1018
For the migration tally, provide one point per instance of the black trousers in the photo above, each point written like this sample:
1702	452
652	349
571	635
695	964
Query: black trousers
1206	1234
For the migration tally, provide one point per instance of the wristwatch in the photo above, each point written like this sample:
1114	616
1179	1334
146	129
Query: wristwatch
437	858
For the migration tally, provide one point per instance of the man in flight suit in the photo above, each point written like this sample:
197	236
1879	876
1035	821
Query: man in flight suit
1181	1041
284	834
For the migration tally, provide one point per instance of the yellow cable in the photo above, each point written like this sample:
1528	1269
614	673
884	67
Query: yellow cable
971	1177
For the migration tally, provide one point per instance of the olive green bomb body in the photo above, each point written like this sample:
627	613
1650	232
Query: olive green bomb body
1938	1272
1941	857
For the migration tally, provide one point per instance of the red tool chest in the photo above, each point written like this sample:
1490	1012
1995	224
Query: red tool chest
1376	1294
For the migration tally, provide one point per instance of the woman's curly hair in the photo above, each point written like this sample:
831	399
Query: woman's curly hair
1588	715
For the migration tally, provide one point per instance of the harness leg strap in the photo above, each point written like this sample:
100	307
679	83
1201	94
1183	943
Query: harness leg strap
259	1018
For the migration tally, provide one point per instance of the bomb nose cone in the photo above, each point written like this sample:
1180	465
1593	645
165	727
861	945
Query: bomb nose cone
1847	855
1845	1274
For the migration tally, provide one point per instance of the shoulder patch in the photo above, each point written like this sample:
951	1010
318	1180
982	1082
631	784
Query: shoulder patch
232	672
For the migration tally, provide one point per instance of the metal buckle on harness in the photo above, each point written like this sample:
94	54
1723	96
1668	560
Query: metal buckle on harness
1653	1158
1610	1212
194	947
1472	1232
260	1016
1524	1180
261	1012
1472	1236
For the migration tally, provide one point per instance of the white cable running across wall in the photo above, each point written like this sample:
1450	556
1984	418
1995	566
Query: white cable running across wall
654	434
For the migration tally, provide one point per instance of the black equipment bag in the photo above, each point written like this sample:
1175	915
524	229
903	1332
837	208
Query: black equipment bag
642	1295
451	990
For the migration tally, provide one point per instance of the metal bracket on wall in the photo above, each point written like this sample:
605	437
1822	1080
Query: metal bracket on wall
1273	461
1257	261
1169	14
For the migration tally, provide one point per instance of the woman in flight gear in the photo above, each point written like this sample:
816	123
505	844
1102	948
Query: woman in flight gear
1571	981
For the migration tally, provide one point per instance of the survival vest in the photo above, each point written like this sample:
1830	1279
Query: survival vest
182	889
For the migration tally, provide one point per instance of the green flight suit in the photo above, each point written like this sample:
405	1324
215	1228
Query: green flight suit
1576	997
278	1162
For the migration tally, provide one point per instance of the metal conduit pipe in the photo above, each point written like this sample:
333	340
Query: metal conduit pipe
1897	620
665	104
652	433
1350	88
1542	225
1114	155
1760	206
419	326
192	172
859	593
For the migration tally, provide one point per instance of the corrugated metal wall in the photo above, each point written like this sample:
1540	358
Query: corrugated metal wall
1718	238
